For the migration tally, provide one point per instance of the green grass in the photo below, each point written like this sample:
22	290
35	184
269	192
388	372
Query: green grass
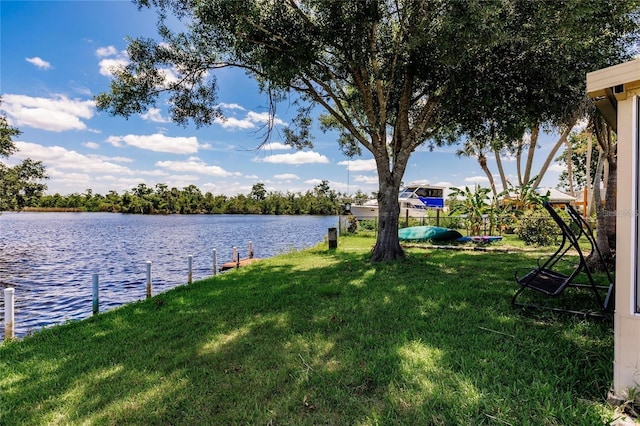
320	337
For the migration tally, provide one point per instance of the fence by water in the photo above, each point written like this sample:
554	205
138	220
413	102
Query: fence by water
9	292
50	258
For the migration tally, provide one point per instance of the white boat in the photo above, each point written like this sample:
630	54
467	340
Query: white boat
414	200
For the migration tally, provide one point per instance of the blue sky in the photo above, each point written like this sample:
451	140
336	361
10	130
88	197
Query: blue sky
55	56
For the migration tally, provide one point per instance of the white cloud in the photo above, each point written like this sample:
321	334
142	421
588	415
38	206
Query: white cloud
286	176
158	143
477	179
114	159
39	62
336	186
301	157
276	146
250	121
557	167
112	59
194	165
420	182
359	165
366	179
55	114
57	157
314	181
91	145
234	123
103	52
171	75
444	184
107	66
263	117
230	106
155	115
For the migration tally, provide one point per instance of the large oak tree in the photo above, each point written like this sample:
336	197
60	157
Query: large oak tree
390	75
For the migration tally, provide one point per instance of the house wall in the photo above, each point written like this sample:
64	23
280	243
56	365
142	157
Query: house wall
626	370
616	90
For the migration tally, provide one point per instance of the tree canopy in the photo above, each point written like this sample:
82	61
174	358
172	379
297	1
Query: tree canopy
391	75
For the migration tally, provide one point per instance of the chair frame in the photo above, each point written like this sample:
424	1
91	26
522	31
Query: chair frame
547	280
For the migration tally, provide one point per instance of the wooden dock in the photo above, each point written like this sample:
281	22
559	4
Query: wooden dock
237	264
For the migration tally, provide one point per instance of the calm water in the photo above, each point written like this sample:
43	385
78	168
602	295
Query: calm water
51	257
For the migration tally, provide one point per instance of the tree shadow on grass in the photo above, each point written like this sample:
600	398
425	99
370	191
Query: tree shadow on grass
333	340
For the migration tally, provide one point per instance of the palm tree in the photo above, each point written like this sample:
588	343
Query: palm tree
477	147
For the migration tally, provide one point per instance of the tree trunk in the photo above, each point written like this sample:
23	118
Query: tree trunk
586	197
572	190
503	177
595	185
387	243
561	141
606	217
611	205
533	143
482	160
518	165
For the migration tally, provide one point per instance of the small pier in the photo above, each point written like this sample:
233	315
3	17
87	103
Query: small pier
237	264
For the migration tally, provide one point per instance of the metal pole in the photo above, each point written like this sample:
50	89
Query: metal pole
190	278
96	296
148	279
9	296
215	262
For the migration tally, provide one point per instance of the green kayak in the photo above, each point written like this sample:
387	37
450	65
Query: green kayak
428	233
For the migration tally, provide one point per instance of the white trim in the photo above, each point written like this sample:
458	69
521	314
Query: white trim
635	149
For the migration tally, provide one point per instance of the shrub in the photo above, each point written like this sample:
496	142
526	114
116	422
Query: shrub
536	227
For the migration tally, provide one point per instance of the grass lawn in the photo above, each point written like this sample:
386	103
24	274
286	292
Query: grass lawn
321	337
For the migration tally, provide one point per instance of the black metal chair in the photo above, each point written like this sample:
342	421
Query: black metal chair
549	280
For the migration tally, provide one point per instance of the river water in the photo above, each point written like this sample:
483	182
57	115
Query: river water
50	258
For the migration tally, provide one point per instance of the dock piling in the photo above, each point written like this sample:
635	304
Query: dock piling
9	316
215	262
190	277
148	279
96	295
333	238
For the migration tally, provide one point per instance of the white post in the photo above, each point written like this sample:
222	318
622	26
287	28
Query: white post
234	256
148	279
96	296
215	262
250	249
190	277
9	315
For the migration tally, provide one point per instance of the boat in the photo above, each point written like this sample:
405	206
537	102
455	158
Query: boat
415	200
428	233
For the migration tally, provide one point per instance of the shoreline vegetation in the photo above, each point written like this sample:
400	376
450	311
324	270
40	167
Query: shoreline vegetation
53	210
321	336
160	199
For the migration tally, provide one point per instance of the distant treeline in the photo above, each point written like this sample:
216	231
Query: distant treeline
161	199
